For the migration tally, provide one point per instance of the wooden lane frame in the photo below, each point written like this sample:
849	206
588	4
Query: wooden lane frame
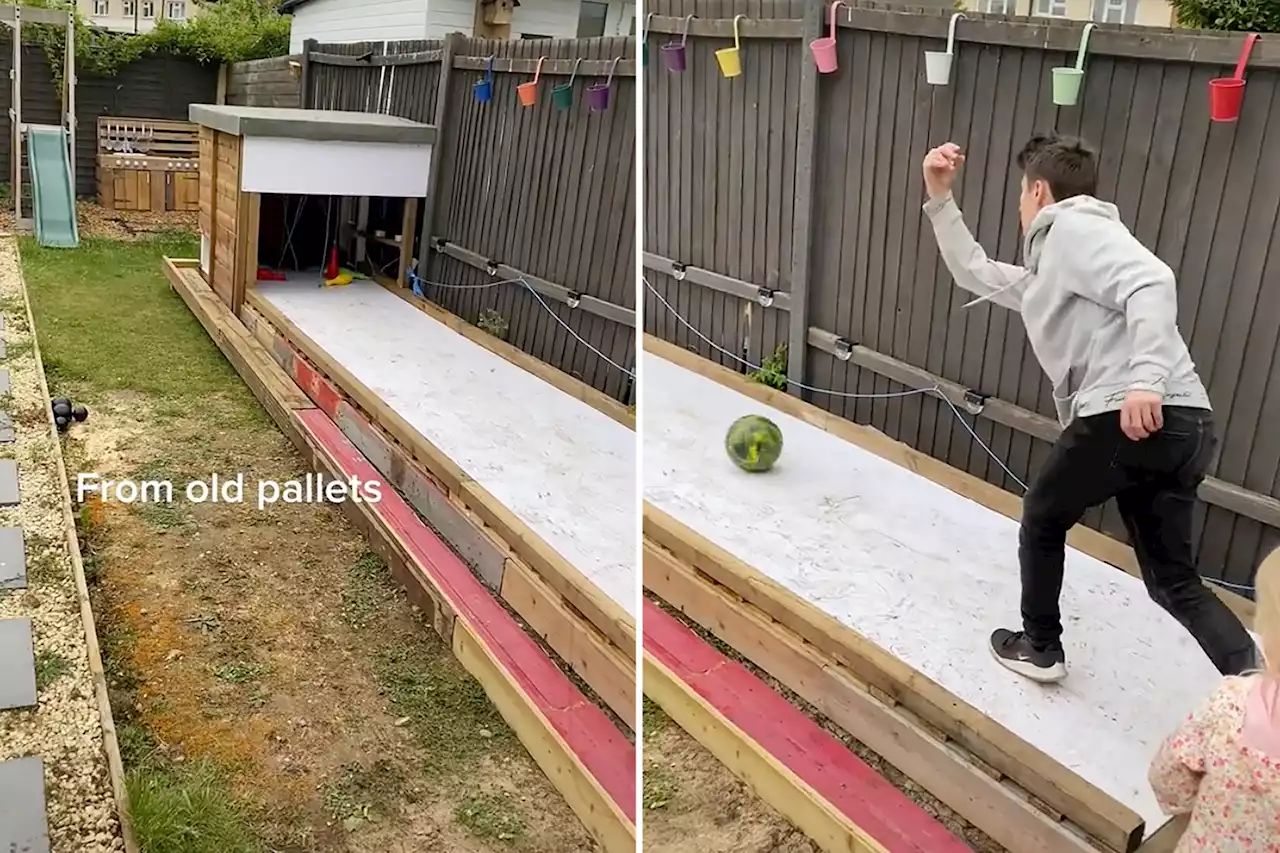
574	743
923	753
1103	817
1084	539
608	670
601	611
782	755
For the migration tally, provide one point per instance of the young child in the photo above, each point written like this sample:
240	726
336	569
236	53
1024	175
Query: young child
1223	766
1101	315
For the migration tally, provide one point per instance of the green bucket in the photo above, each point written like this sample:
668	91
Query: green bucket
1066	85
562	96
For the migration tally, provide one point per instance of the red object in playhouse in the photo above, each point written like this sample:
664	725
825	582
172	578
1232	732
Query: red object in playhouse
1226	94
331	268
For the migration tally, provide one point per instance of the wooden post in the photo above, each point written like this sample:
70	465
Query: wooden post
434	199
69	84
304	75
407	229
224	71
15	117
801	232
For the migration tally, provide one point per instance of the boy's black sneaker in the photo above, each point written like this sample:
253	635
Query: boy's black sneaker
1014	651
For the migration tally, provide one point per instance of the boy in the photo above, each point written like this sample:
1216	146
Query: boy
1101	314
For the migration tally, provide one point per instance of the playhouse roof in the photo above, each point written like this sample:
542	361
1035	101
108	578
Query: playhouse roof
316	125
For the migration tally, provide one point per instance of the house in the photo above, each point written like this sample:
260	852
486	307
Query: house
397	20
134	16
1148	13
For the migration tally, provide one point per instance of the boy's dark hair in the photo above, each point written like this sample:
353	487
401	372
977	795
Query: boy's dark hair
1067	164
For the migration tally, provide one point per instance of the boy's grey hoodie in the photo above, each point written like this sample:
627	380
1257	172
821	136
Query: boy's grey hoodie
1101	310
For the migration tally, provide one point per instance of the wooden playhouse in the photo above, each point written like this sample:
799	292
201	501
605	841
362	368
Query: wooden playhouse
280	189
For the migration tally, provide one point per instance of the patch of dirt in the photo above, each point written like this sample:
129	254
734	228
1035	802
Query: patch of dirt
95	221
692	804
263	640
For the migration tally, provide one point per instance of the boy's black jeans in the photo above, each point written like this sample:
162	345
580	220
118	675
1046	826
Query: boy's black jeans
1154	483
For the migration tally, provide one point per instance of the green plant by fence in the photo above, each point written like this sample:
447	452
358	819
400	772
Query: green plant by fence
783	206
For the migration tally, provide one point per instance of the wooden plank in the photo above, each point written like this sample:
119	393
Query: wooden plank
801	236
408	228
158	182
934	764
609	672
1061	35
602	612
782	755
1091	542
722	28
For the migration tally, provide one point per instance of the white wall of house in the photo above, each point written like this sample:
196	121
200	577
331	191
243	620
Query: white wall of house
128	16
337	21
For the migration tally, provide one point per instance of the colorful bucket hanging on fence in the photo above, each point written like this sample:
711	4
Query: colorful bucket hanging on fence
1226	94
562	95
824	49
730	58
673	52
528	92
1067	80
483	89
937	63
598	94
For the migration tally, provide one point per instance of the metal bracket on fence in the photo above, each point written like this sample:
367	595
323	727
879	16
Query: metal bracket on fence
677	269
540	286
844	348
765	296
975	401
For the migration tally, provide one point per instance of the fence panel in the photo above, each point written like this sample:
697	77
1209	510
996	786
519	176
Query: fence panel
265	83
1200	194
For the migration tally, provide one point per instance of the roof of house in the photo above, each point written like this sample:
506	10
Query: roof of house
315	125
290	5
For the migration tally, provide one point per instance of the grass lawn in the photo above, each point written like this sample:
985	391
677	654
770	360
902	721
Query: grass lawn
273	688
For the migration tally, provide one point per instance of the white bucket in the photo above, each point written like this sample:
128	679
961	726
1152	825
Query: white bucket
937	67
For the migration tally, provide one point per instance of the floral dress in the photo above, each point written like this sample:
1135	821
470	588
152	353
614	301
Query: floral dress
1223	766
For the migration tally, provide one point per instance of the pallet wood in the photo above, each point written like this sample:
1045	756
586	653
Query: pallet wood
156	174
609	671
1087	540
605	614
579	749
783	756
97	674
943	768
585	757
1103	817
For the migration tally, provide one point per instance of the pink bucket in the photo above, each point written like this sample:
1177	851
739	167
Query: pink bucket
824	54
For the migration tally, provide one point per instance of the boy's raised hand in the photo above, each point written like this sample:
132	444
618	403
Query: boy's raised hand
940	167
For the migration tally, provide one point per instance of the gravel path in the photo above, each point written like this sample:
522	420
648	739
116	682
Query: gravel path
65	730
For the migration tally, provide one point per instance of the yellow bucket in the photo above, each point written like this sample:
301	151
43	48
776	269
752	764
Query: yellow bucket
730	58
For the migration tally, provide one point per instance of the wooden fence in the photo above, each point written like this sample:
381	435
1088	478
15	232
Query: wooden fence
536	193
159	87
788	205
274	82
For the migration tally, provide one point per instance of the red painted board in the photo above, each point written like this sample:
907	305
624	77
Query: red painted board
810	752
602	749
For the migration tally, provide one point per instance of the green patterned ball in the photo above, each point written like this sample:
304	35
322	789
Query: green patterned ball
754	443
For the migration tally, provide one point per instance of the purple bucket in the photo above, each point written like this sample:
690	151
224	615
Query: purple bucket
598	97
673	55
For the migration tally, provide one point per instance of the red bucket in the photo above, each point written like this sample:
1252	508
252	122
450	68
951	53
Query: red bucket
1225	97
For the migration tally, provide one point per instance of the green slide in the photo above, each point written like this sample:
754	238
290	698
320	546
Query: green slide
53	196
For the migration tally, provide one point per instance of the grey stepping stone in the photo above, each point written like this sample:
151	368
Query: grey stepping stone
13	560
4	382
9	482
3	352
17	665
6	428
24	824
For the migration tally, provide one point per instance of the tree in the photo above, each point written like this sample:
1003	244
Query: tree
1254	16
